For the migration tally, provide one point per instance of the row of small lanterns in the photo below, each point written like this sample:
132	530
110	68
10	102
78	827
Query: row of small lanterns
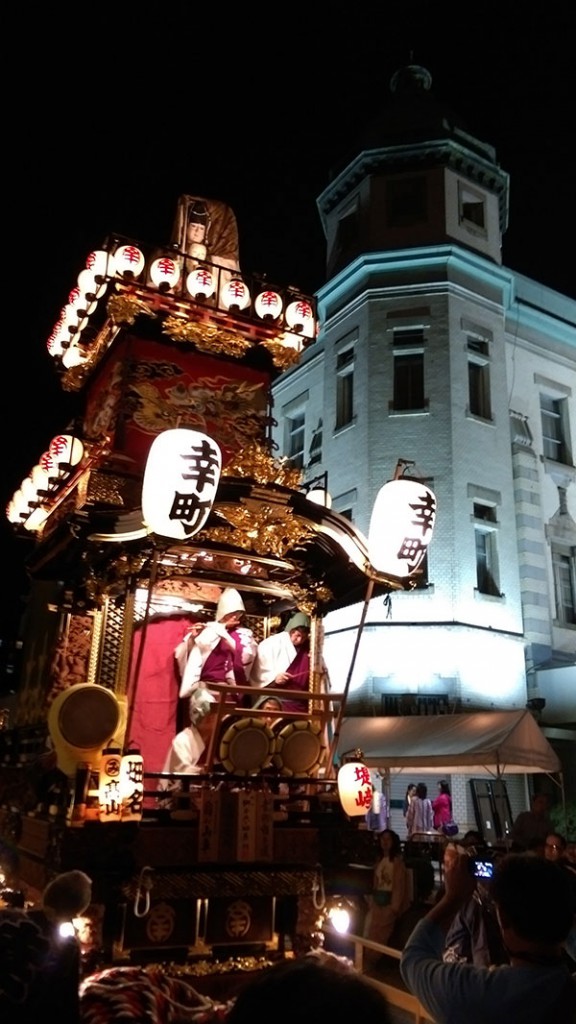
52	471
202	283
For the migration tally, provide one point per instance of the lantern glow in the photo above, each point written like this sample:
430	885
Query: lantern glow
401	526
132	785
354	788
180	482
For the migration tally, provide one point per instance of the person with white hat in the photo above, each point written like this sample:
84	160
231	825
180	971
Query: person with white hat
283	660
221	651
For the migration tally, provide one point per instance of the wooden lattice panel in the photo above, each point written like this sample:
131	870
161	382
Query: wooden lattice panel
111	650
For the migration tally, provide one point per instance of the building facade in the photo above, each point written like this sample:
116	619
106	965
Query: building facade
432	352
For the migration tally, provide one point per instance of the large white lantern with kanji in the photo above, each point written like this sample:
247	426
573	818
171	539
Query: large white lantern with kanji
401	526
355	788
180	482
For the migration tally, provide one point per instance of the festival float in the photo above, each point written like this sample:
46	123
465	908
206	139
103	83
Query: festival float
163	493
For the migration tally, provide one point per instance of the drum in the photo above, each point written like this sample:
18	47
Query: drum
81	721
299	749
247	746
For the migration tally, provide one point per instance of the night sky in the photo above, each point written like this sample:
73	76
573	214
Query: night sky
118	109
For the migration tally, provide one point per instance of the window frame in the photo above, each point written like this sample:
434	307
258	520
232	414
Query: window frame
564	559
485	520
408	343
479	377
345	364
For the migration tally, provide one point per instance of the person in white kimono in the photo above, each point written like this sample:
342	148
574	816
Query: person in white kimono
283	660
221	651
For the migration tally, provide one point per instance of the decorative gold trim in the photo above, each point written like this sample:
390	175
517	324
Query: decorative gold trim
123	309
206	337
257	464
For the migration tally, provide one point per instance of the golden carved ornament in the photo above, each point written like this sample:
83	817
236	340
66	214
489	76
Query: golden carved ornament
123	309
257	464
266	530
206	337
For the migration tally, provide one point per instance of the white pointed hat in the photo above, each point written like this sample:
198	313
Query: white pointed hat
230	601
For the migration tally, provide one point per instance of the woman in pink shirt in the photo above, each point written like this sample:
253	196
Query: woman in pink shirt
442	805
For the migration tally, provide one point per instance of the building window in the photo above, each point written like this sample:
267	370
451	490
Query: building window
472	208
315	450
553	414
486	539
408	348
479	378
295	448
564	570
344	387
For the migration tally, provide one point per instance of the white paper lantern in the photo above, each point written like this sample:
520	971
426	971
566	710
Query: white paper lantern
109	797
355	788
180	482
91	286
401	526
40	478
165	272
35	521
235	295
132	785
268	305
48	463
100	264
129	260
66	449
300	317
200	282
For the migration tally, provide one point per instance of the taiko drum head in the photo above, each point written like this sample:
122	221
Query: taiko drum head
81	721
299	748
247	746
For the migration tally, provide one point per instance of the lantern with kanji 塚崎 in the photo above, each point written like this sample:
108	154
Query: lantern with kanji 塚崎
355	788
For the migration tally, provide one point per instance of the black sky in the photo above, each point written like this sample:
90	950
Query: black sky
115	110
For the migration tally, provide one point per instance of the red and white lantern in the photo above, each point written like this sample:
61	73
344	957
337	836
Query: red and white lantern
66	449
268	305
235	295
180	483
401	526
355	788
129	261
165	272
200	283
300	317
